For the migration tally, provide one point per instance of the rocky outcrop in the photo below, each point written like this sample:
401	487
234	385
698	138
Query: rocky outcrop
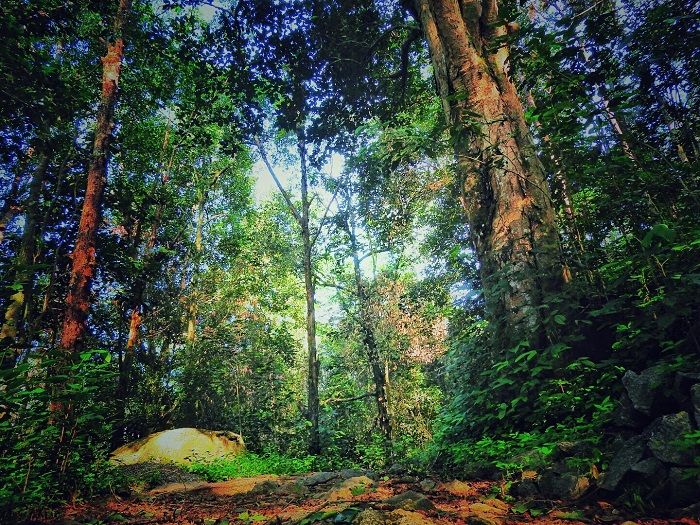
180	445
658	409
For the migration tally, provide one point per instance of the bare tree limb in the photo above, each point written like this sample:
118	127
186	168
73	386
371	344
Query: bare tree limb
325	216
287	198
334	400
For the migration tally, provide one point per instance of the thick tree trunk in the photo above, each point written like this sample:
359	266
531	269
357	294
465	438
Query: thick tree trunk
504	191
84	261
314	407
15	313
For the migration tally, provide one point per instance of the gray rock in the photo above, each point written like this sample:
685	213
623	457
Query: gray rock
319	478
624	415
427	485
647	467
353	473
264	487
526	489
411	500
396	469
682	383
293	488
683	487
663	433
563	486
695	399
628	455
642	387
571	449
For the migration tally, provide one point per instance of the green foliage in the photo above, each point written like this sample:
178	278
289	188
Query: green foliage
43	462
251	464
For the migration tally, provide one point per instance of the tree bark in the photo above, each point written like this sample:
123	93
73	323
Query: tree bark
10	207
15	313
504	191
378	373
313	408
84	260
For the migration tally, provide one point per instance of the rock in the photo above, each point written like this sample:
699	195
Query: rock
411	500
396	469
369	517
682	383
293	488
663	432
526	489
624	415
691	511
628	455
459	488
355	473
349	488
571	449
408	480
683	487
180	445
319	478
563	486
642	387
647	467
695	400
488	512
264	487
407	517
427	485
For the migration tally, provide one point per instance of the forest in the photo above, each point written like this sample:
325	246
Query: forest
402	261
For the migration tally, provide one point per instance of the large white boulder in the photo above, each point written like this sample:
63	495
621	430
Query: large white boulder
180	445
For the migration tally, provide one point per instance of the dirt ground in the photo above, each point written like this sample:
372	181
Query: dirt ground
353	497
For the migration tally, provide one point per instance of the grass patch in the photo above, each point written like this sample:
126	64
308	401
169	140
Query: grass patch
251	464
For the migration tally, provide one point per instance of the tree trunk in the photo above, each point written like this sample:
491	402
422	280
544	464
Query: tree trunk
313	408
504	192
84	261
15	313
126	363
10	207
378	373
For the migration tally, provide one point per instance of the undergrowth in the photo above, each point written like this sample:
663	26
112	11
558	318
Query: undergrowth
252	464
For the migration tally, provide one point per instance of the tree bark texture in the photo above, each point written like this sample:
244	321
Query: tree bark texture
378	373
84	259
504	191
314	407
24	275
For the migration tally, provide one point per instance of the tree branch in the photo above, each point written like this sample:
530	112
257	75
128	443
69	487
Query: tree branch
325	216
287	199
334	285
334	400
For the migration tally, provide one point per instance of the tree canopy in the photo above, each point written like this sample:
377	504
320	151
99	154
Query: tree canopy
443	236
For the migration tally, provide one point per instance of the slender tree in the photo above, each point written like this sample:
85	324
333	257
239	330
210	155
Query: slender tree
309	238
19	302
379	377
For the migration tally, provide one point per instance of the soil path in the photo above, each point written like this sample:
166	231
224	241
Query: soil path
345	497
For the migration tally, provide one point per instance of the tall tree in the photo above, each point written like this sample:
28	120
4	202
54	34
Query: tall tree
309	239
503	187
369	341
84	256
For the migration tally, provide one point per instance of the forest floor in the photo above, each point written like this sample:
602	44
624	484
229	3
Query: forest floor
340	497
